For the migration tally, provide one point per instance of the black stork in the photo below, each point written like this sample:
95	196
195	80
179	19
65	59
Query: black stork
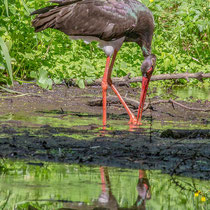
110	22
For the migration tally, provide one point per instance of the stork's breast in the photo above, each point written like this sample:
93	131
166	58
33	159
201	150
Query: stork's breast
107	46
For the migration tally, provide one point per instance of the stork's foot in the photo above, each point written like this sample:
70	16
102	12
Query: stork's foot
133	121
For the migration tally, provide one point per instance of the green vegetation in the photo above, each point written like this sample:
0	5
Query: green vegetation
24	185
180	43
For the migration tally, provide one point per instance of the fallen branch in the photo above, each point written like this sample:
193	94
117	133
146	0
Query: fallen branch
19	94
135	104
16	96
127	80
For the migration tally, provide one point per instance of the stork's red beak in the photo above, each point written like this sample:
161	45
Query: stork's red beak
145	84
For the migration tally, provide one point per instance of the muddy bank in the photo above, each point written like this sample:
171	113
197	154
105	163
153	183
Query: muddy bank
185	156
183	151
62	98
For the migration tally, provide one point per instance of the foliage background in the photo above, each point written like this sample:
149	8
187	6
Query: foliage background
180	43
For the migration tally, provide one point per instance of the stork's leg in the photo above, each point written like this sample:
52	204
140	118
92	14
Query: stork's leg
104	86
133	119
145	84
103	182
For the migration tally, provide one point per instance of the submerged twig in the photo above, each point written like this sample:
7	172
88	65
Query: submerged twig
25	94
16	92
9	90
135	104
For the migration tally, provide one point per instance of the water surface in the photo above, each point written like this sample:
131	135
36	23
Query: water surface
59	186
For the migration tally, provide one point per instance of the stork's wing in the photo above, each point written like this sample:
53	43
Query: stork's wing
105	19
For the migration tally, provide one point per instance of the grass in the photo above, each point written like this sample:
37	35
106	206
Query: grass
180	43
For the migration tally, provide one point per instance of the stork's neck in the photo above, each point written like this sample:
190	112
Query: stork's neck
145	43
146	51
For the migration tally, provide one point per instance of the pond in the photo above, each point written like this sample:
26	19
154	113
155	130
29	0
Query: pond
163	164
44	185
191	93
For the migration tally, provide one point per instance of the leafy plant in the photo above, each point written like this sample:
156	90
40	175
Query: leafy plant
180	43
42	78
7	58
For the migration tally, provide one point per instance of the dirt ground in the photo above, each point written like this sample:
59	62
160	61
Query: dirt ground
182	151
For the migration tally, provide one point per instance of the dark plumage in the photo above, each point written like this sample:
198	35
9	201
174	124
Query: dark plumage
105	19
110	22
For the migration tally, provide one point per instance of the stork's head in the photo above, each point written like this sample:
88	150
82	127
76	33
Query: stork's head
148	65
147	69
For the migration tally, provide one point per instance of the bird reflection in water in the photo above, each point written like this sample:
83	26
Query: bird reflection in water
107	200
143	189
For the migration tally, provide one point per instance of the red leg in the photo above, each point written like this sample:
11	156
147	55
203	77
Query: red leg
103	182
142	174
145	84
141	107
104	85
133	119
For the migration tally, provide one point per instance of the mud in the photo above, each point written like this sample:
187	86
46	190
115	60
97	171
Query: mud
180	145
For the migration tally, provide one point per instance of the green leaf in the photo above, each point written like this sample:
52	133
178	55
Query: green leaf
43	80
57	80
166	63
89	80
6	6
7	57
33	74
2	67
81	83
26	7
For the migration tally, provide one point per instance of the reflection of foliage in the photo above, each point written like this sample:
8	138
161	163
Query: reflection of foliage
34	185
180	43
190	187
3	203
165	193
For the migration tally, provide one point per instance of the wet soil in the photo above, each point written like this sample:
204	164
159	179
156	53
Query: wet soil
181	150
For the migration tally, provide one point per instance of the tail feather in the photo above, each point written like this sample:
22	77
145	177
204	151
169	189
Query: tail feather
50	24
46	18
65	2
43	10
40	21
